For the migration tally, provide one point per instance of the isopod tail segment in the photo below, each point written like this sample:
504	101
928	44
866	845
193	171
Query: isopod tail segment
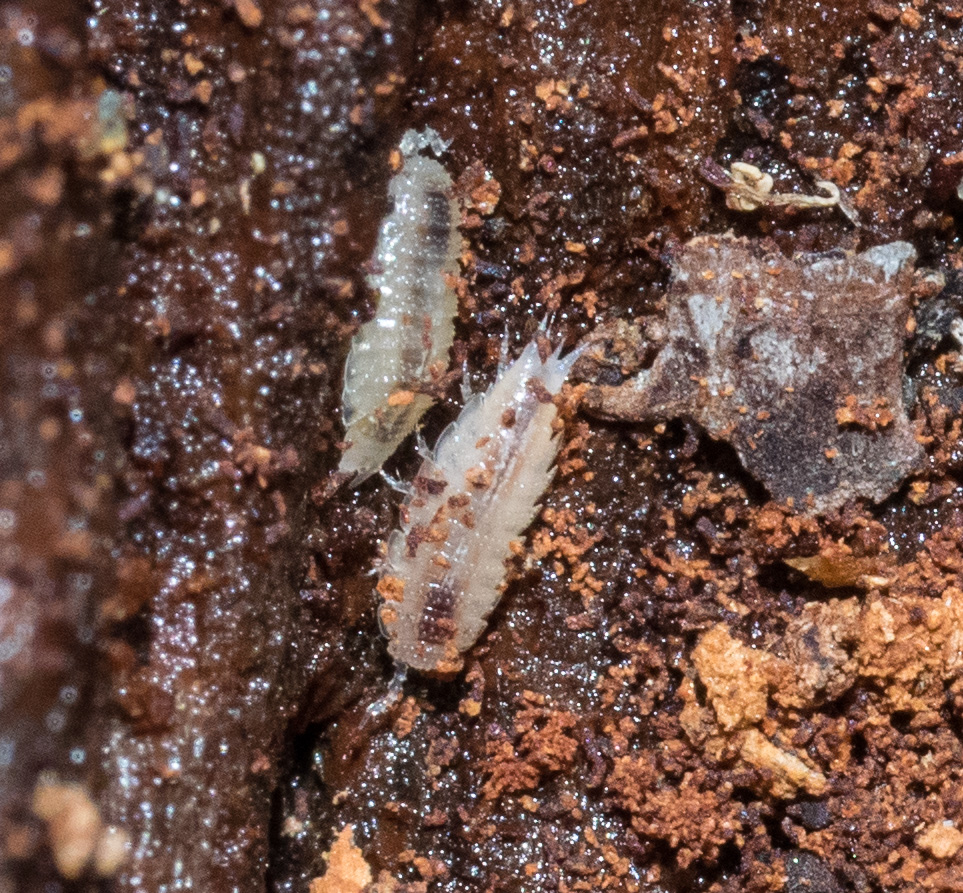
421	446
393	482
376	716
543	332
391	697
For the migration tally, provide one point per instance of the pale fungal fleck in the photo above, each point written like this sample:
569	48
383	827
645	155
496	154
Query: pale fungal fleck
956	333
748	188
78	837
751	188
396	356
445	567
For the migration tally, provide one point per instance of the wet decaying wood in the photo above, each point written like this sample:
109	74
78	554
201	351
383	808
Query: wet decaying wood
795	361
689	684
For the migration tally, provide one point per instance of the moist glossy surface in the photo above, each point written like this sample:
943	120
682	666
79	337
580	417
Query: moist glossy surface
662	702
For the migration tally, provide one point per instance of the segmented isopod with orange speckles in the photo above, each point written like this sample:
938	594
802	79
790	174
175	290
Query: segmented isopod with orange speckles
445	568
405	347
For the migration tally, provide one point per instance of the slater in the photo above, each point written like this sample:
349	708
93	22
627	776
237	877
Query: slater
394	356
445	567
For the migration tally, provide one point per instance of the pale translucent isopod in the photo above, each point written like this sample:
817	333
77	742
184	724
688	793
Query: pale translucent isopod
445	568
394	356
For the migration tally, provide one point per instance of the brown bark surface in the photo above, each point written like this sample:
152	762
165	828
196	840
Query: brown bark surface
689	685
